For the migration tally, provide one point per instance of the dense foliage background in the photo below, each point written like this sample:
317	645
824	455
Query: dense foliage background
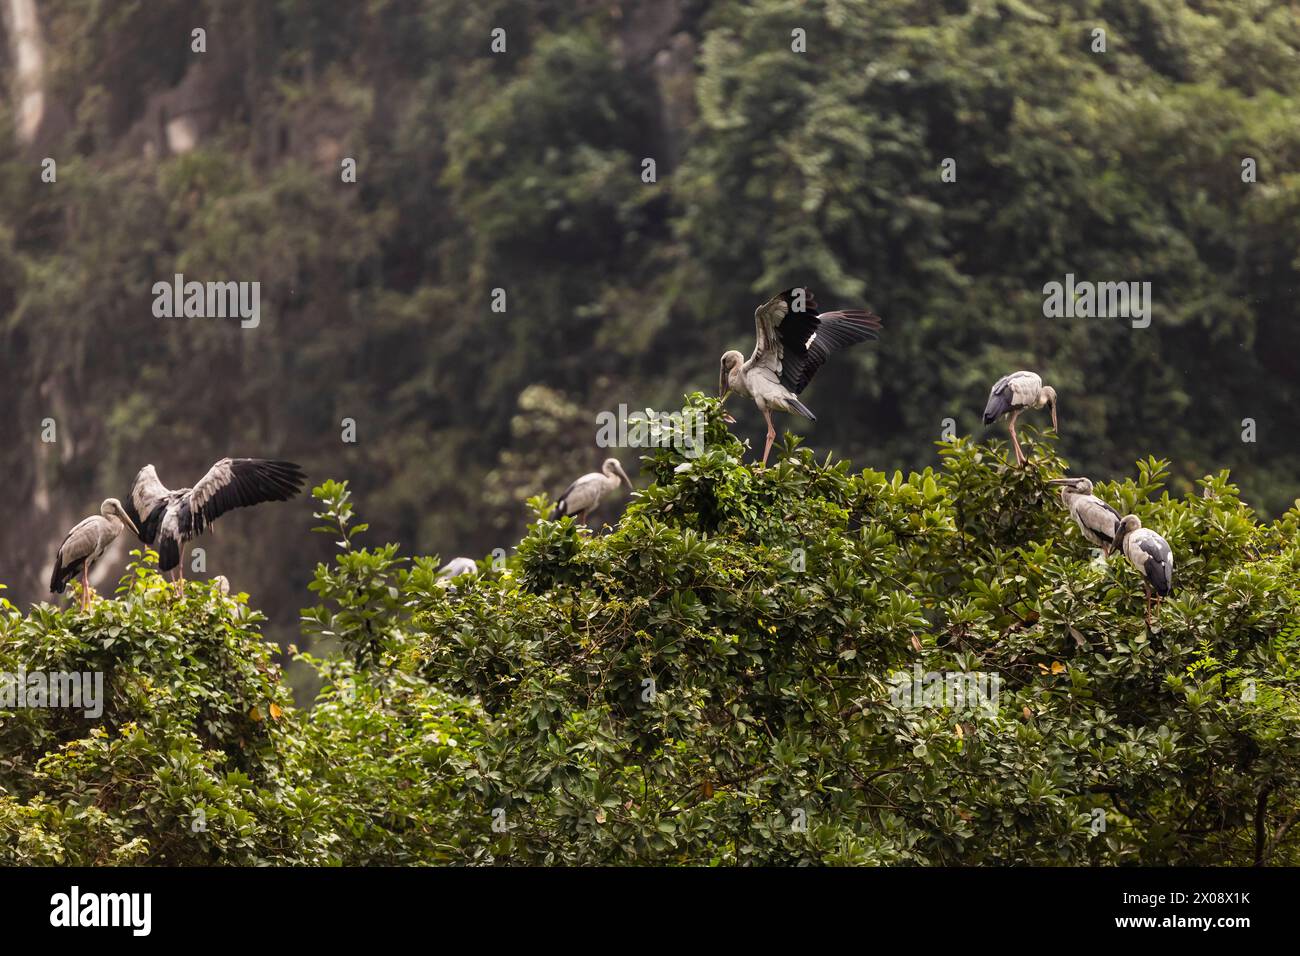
522	171
709	683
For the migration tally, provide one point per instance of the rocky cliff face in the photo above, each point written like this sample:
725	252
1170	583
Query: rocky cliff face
36	120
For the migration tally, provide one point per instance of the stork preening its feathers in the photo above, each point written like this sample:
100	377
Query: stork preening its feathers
1150	554
1098	522
166	519
581	498
793	343
1013	394
85	544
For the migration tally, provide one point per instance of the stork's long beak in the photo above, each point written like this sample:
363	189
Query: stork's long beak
129	523
623	474
723	392
1060	481
1054	426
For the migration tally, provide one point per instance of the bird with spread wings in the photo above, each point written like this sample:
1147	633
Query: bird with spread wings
167	519
794	341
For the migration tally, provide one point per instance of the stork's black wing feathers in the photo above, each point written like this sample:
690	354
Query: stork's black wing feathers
169	552
146	527
237	483
1000	399
807	339
1157	570
562	502
61	576
561	505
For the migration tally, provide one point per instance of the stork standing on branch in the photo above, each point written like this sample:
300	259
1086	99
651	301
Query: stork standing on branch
1014	394
581	498
1097	520
1151	555
85	544
166	519
793	342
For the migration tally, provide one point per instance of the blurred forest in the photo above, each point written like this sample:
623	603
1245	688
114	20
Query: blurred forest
522	171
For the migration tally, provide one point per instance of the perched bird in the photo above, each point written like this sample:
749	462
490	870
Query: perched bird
223	584
85	544
1150	554
581	498
1014	393
166	519
1097	520
455	568
793	342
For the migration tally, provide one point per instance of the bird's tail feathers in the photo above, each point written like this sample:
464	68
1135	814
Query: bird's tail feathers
61	576
169	553
147	530
998	405
1160	578
799	408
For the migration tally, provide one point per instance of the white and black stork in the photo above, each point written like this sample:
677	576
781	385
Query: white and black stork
793	342
85	544
583	496
1151	555
166	519
1014	394
1097	520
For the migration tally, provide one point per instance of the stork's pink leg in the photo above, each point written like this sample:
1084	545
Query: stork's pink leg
1015	440
85	585
771	434
1148	590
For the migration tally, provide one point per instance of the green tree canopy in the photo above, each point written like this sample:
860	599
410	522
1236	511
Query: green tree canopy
723	678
